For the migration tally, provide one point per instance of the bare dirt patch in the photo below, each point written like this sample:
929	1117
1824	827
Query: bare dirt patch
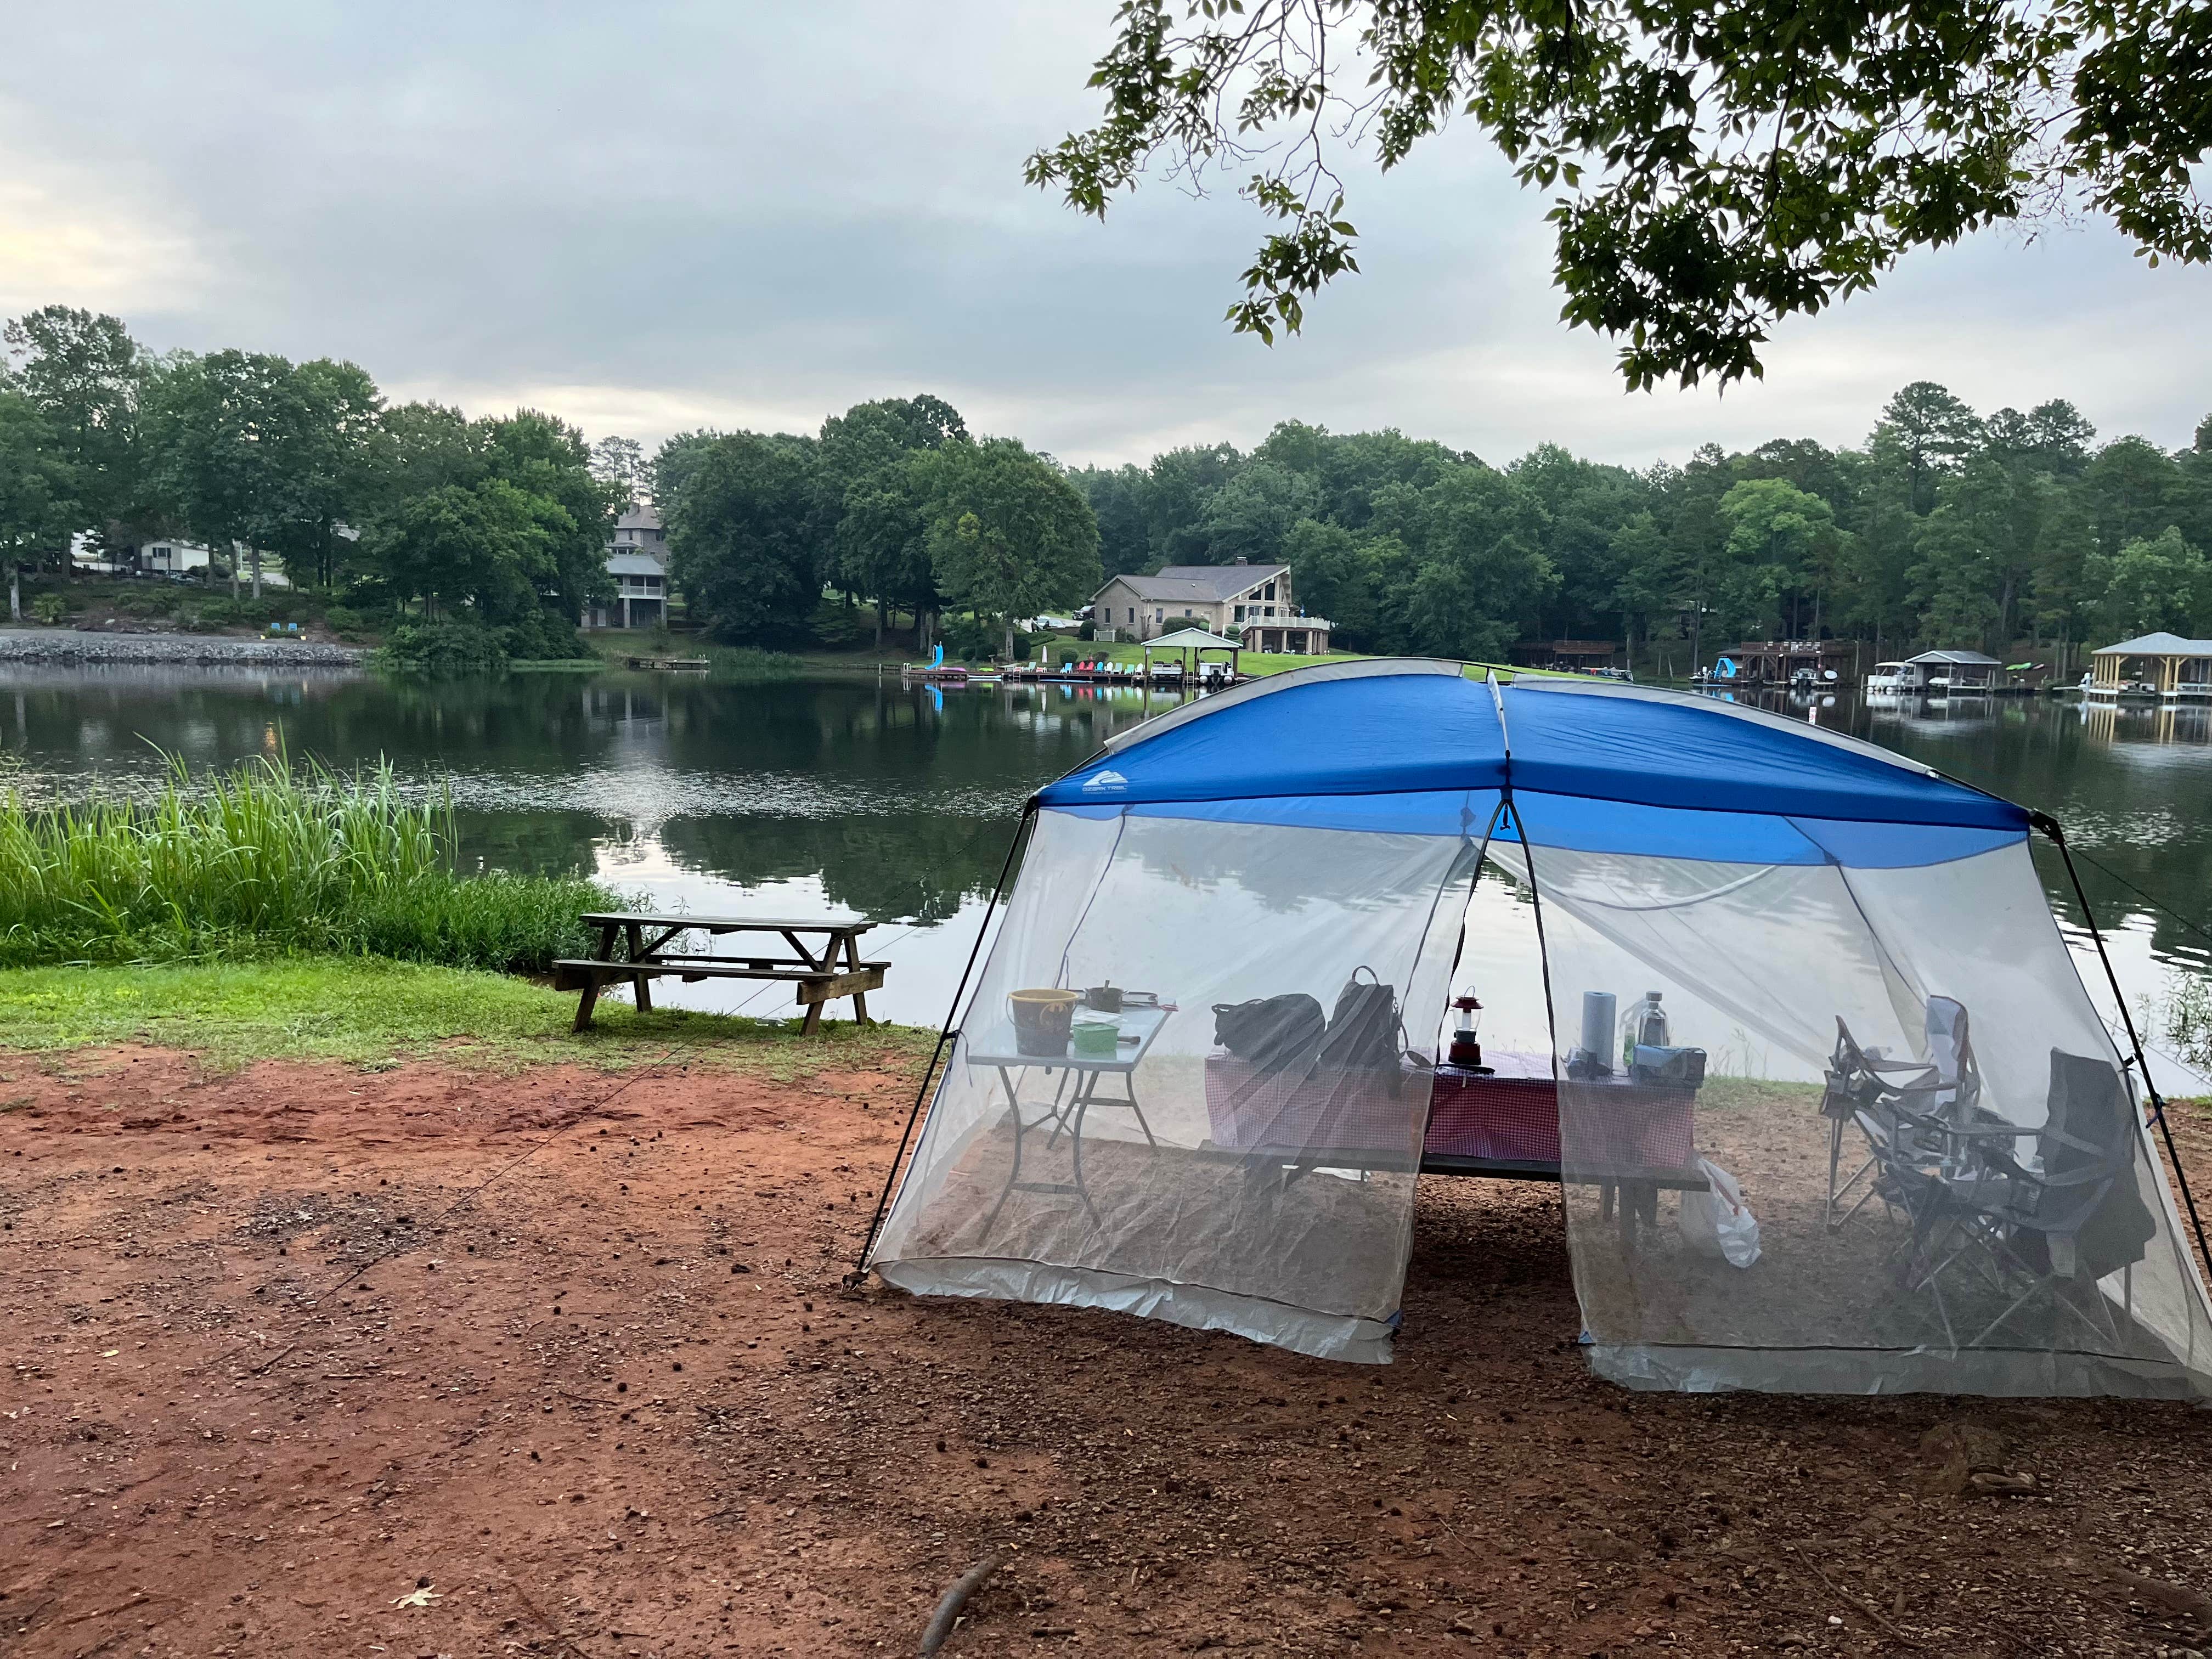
268	1391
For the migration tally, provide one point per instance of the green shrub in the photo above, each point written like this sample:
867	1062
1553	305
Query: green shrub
264	859
971	638
837	626
348	623
246	611
48	608
543	637
450	646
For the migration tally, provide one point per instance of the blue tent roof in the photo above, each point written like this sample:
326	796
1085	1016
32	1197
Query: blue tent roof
1409	729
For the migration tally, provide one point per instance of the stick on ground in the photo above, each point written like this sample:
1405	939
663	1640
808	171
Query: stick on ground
948	1610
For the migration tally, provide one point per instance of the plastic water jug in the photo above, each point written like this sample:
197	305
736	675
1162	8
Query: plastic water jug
1644	1025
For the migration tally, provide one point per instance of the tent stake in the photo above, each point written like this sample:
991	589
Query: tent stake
2050	827
945	1034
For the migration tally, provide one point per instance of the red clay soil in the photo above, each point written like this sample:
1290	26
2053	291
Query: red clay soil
269	1391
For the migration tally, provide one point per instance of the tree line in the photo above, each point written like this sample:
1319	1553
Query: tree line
409	510
1944	528
893	504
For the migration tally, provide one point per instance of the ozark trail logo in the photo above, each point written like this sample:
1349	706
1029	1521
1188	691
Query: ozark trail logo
1103	780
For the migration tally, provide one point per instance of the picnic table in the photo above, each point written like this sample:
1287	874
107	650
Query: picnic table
819	972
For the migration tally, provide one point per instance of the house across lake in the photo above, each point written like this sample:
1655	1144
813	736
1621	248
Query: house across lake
1255	598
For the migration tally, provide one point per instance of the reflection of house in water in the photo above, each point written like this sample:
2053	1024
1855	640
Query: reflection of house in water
2109	721
626	707
1947	715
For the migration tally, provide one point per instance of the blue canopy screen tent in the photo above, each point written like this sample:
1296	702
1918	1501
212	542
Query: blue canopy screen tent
1254	908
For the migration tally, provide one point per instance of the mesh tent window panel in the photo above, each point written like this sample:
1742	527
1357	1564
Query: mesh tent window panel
1958	1272
1269	1196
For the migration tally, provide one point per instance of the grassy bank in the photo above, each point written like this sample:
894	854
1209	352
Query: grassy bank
743	665
265	858
364	1011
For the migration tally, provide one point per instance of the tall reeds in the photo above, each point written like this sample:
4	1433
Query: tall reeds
267	857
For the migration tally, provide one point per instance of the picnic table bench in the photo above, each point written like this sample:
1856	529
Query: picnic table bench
814	971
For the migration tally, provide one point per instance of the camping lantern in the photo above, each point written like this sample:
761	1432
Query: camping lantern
1466	1045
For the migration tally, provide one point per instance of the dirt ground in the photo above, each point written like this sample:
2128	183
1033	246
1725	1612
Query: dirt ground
269	1391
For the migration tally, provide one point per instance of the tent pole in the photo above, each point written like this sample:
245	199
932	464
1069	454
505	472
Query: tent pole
2050	827
1544	962
945	1034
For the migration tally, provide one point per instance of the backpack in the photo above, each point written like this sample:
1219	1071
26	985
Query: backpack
1365	1033
1272	1033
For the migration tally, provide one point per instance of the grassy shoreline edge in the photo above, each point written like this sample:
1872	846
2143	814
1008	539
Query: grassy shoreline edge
366	1011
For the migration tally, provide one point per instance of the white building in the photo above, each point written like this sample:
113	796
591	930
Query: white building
172	555
637	559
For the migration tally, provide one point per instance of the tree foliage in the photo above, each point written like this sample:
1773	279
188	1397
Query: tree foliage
1714	167
740	535
1941	528
1008	534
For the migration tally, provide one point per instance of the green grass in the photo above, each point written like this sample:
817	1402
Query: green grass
265	859
372	1013
742	664
556	666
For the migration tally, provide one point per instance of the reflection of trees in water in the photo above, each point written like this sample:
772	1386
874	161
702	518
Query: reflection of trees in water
917	866
909	739
534	843
536	721
2132	786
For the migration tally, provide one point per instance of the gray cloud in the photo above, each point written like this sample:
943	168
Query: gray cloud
654	216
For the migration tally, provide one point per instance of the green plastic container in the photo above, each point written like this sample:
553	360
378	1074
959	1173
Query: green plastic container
1098	1039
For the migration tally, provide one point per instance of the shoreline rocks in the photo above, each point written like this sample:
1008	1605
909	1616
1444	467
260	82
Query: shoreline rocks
68	645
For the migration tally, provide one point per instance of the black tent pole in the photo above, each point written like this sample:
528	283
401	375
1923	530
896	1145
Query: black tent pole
2050	827
945	1034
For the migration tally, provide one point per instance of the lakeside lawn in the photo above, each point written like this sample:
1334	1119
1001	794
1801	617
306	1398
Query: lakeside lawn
367	1011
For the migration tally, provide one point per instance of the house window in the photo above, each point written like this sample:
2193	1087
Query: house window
1268	592
1240	613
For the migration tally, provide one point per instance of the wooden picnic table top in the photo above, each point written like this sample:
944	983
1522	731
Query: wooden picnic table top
733	924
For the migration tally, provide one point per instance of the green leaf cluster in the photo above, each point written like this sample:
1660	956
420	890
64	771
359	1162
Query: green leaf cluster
1714	167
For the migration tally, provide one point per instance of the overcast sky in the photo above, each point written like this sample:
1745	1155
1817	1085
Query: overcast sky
646	217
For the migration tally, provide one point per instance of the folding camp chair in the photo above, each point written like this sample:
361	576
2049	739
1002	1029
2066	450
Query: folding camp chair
2058	1218
1900	1106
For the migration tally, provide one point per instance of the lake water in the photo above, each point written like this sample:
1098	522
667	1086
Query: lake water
898	802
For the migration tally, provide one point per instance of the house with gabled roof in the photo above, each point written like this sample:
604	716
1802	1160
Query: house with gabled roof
637	560
1255	598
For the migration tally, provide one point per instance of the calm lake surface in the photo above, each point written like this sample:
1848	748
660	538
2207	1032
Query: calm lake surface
898	802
